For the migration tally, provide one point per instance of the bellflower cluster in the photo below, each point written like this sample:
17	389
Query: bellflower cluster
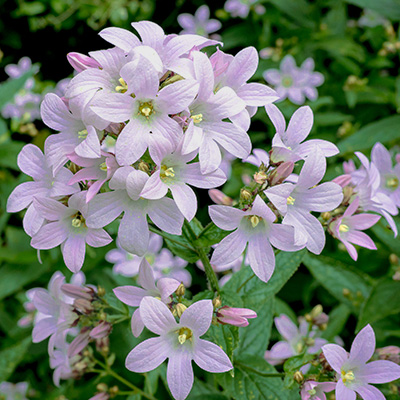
166	103
199	23
373	187
241	8
295	83
14	391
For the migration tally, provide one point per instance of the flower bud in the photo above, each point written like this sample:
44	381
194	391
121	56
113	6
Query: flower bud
245	195
326	216
219	197
114	390
217	302
77	292
342	180
260	177
390	353
80	62
235	316
83	305
179	309
347	193
181	290
298	376
279	174
100	331
100	396
316	311
394	259
102	387
143	166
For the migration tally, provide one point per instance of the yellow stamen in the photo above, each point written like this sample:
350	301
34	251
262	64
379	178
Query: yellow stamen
103	166
184	334
299	347
312	392
197	118
343	228
123	88
146	109
392	183
290	201
82	134
347	376
254	220
76	222
167	172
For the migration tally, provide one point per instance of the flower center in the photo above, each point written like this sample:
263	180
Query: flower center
290	201
343	228
78	220
103	166
312	392
347	376
150	258
255	220
197	118
123	88
299	347
166	172
287	81
82	134
146	109
392	183
184	334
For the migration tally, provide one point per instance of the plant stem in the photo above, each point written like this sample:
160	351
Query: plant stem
212	278
110	372
244	283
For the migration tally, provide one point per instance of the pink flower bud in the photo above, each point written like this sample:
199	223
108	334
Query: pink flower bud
279	174
100	331
77	292
78	344
343	180
219	197
235	316
100	396
80	62
391	353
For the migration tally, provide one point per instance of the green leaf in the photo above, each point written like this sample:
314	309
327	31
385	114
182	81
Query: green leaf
293	364
253	290
385	131
181	247
11	357
383	301
299	10
225	336
337	321
254	338
336	276
251	381
210	235
9	88
388	8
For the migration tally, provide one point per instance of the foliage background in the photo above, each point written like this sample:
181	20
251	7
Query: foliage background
353	113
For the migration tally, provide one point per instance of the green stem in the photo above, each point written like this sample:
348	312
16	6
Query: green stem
244	283
110	372
211	276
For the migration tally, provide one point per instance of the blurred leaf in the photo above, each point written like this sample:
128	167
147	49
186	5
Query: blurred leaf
299	10
181	247
15	277
338	278
388	8
337	320
9	88
293	364
386	235
386	130
9	152
384	300
11	357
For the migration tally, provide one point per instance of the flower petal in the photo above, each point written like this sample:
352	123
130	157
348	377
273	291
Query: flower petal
180	375
210	357
363	346
335	355
198	317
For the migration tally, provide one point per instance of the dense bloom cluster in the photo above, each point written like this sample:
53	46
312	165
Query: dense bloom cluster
295	83
139	126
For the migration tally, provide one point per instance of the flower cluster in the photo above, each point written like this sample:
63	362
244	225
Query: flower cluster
295	83
373	187
166	103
